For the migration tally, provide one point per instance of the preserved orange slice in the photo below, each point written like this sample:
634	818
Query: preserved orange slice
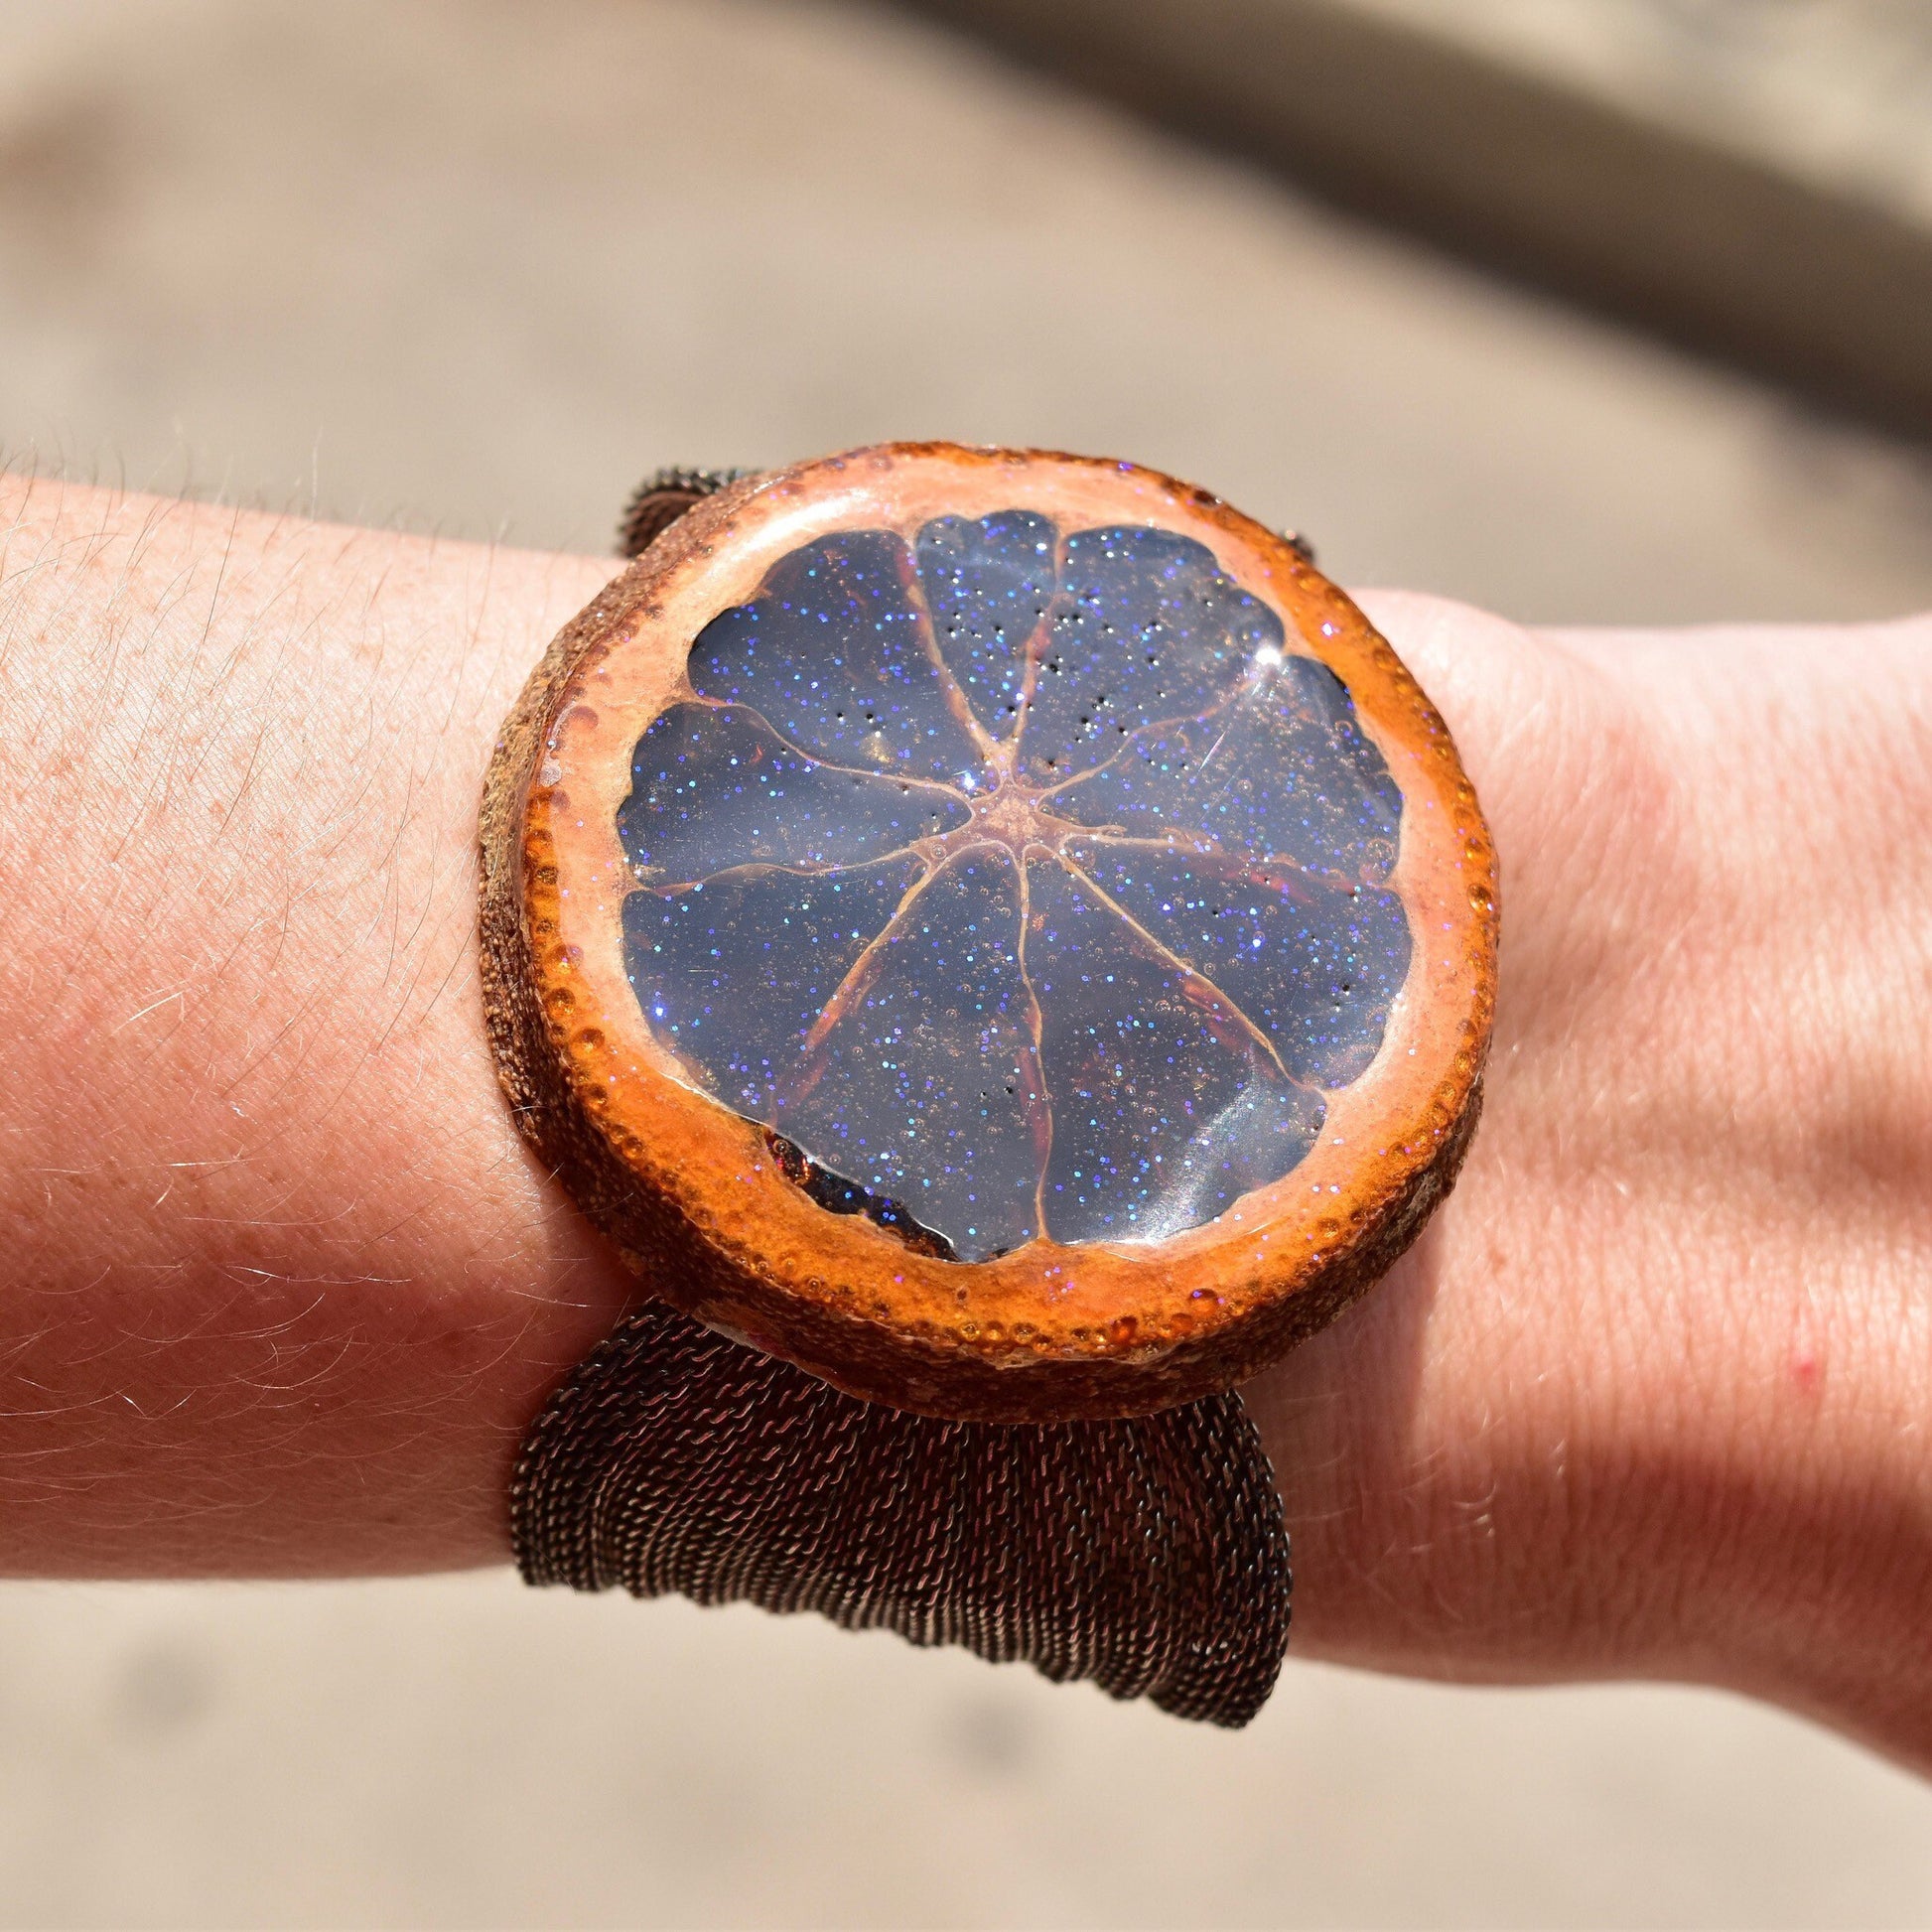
997	929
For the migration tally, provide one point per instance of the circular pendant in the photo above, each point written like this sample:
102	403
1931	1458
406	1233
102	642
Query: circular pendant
997	929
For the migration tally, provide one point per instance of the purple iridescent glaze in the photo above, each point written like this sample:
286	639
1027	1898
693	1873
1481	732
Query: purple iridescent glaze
1030	883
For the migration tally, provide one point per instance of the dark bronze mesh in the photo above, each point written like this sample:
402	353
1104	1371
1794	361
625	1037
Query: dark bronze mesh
660	500
1147	1554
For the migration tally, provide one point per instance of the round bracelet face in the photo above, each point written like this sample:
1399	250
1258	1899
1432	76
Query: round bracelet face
1020	877
997	929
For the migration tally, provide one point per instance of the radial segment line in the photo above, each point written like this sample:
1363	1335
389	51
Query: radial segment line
1269	869
1035	647
1197	845
957	701
1173	959
678	887
1040	1098
824	764
1138	731
861	968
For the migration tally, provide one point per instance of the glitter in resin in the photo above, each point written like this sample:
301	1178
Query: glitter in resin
1026	886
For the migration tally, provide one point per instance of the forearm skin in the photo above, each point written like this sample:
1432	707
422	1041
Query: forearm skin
283	1287
283	1284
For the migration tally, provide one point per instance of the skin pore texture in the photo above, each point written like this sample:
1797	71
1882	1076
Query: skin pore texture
1652	1396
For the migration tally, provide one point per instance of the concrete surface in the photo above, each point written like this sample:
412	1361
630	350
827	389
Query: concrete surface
1835	92
476	268
1747	180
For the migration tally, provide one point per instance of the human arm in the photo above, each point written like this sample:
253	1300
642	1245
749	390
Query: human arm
1650	1397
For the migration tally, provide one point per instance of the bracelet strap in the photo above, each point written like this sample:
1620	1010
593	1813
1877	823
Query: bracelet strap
1147	1554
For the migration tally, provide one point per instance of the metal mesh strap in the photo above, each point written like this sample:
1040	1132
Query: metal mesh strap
1148	1554
660	500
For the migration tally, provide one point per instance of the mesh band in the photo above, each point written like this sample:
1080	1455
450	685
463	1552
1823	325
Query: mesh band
1147	1554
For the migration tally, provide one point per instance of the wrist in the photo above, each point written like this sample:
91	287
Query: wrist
1648	1399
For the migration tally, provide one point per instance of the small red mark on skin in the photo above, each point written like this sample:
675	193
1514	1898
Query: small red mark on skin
1805	1364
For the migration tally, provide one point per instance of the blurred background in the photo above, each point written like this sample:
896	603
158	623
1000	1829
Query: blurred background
1584	309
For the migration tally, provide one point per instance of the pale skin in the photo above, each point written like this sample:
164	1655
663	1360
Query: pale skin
1652	1397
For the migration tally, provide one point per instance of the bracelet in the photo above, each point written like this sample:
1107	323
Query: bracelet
1005	951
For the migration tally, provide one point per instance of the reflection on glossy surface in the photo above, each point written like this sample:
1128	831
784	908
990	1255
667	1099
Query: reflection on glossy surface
1026	885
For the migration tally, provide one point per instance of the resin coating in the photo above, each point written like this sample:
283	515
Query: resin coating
1025	883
